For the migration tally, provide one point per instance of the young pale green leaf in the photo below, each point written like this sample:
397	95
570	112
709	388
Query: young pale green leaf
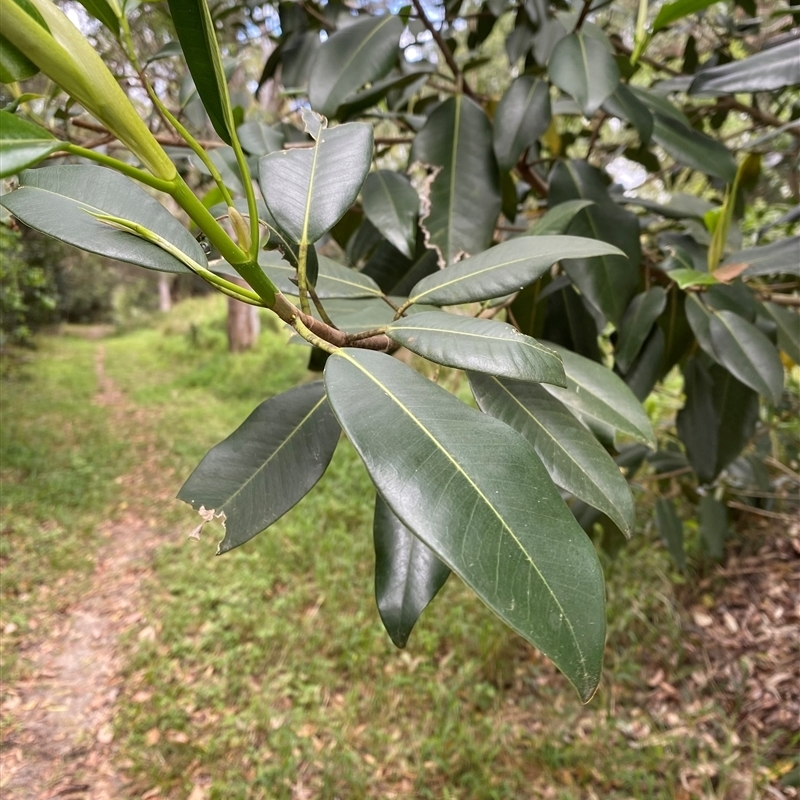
747	353
584	68
686	278
408	574
557	219
480	345
195	29
598	398
672	12
309	190
714	526
779	258
575	460
522	116
23	144
788	322
771	69
623	103
453	476
267	465
737	410
58	200
361	53
506	268
465	196
391	204
671	529
637	323
697	421
694	149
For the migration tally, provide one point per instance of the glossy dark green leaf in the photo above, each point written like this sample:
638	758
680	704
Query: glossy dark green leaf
772	68
697	421
643	373
637	323
57	201
503	269
610	281
195	29
408	574
309	190
557	219
102	10
522	116
672	12
457	487
267	465
465	196
788	322
694	149
391	204
574	458
747	353
361	53
737	410
22	144
778	258
623	103
671	529
699	318
260	139
714	526
479	345
568	320
582	67
598	398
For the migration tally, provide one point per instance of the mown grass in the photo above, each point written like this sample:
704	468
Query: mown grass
269	675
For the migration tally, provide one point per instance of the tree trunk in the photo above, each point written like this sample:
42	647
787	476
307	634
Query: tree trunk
164	292
244	326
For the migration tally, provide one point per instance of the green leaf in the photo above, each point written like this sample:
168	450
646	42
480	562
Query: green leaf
456	485
713	526
259	139
408	574
583	67
773	68
778	258
465	196
747	353
598	398
480	345
637	323
788	323
610	281
14	66
644	372
737	410
522	116
686	278
694	149
699	318
196	33
361	53
671	529
333	280
103	10
267	465
574	458
57	201
391	204
697	421
309	191
623	103
672	12
503	269
23	144
557	219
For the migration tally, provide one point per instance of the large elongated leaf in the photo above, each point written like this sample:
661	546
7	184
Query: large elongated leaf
260	139
601	400
480	345
672	12
671	529
195	29
22	144
584	68
623	103
503	269
788	322
558	218
697	421
391	204
574	458
521	118
608	282
773	68
454	477
747	353
408	574
737	410
637	323
309	191
694	149
267	465
465	195
361	53
778	258
58	201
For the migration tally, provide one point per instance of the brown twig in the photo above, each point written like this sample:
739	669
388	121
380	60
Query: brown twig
530	177
758	511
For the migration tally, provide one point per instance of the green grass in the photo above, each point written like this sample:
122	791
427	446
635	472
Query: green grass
269	675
